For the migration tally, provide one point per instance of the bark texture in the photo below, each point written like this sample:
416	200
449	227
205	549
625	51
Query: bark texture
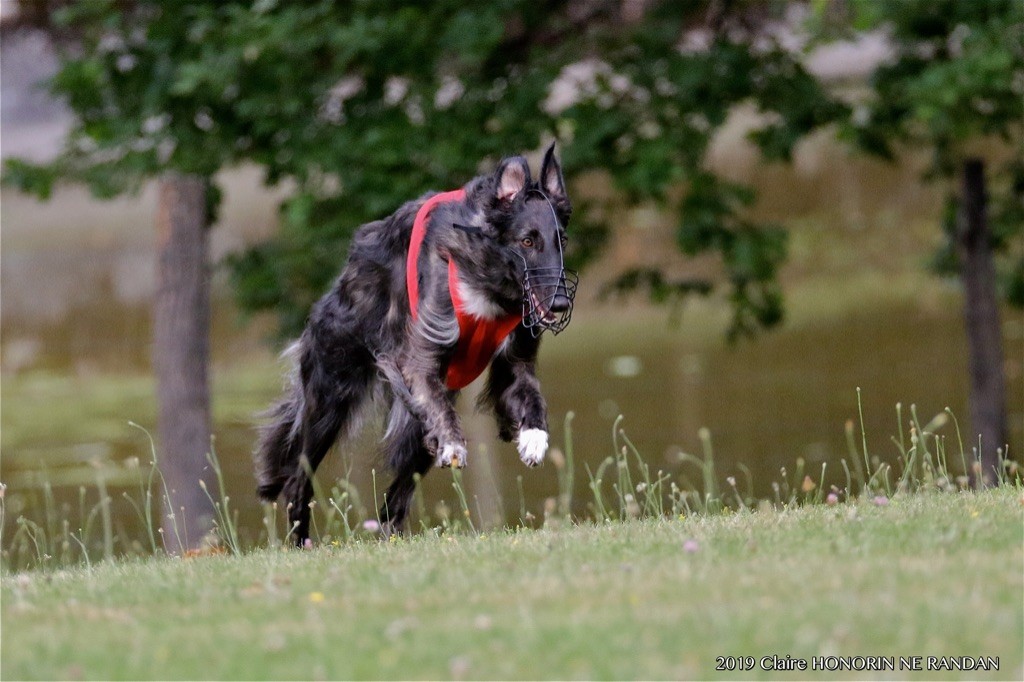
981	318
181	357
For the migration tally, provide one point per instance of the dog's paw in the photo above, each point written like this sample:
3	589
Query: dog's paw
451	455
532	444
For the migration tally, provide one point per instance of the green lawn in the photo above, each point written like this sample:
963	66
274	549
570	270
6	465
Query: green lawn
924	575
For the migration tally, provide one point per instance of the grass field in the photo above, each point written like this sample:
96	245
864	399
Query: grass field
931	574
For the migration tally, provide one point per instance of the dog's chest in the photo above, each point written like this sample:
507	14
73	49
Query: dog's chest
483	327
473	301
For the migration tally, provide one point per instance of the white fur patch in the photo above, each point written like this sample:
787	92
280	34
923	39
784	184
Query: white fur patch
532	444
451	455
477	304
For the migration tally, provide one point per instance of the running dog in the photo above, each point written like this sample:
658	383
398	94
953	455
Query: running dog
430	296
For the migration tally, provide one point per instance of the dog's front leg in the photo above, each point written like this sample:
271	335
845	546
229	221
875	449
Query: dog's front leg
526	403
435	406
513	391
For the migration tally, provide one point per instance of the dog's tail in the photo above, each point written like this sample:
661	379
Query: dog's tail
280	440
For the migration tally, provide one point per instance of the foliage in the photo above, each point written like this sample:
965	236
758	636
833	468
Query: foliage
956	77
361	106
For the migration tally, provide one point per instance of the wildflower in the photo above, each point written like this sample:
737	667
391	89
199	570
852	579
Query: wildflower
632	508
371	525
690	546
316	597
808	485
832	499
307	543
459	667
937	422
399	627
881	501
274	641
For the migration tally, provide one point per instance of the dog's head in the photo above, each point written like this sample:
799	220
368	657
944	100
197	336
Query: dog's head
529	220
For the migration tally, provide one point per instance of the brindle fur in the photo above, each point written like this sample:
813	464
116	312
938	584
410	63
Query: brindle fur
361	340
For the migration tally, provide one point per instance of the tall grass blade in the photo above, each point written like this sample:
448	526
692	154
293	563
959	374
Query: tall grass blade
568	481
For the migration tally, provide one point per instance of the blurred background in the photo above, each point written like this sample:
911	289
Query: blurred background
672	330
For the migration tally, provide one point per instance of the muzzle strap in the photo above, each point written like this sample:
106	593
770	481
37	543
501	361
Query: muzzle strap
538	315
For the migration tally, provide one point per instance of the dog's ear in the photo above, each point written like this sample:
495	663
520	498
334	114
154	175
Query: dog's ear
551	180
512	176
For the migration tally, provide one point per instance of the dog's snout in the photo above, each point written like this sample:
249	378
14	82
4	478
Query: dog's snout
560	303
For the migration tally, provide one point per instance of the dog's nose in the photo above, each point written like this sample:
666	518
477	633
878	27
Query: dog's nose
560	303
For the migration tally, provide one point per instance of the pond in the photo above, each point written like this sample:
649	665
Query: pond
77	279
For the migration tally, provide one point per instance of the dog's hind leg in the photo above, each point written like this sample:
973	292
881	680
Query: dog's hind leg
331	400
280	446
408	457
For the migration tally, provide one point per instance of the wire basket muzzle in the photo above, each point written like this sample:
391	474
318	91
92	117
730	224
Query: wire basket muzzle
548	295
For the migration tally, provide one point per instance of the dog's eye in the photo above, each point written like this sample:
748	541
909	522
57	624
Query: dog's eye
527	242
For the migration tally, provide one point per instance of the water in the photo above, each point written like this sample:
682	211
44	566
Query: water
77	279
766	404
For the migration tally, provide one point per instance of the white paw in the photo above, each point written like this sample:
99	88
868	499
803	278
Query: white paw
532	444
451	455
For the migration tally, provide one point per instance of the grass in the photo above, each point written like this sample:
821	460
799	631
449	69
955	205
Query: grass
926	574
621	487
880	572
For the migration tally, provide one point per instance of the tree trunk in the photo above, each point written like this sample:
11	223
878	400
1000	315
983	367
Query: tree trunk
181	350
981	316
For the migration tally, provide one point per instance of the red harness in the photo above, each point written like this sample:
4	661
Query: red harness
479	338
